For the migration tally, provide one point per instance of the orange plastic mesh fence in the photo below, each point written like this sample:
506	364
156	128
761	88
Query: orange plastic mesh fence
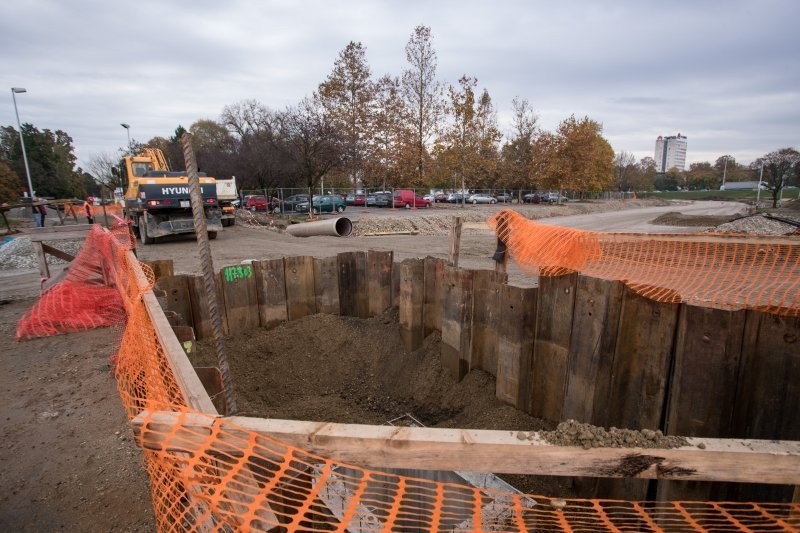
699	269
208	474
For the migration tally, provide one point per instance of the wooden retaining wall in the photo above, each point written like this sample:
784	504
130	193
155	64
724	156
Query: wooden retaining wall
573	348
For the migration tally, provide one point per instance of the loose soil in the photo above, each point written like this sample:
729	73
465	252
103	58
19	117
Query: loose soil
342	369
674	218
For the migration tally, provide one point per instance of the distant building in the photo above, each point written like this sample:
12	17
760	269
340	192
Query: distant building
741	186
670	153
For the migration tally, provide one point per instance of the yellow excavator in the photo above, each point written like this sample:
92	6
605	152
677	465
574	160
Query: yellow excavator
157	199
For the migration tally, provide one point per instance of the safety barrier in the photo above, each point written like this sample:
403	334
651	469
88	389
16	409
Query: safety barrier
214	474
721	271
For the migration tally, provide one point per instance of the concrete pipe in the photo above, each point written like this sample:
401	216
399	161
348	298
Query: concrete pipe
338	227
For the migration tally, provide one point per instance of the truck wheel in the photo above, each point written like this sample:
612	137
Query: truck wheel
146	239
212	235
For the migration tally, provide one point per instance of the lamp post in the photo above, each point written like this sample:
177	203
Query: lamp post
128	129
14	91
724	173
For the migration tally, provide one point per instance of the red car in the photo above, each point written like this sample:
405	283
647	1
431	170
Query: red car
258	202
355	199
406	198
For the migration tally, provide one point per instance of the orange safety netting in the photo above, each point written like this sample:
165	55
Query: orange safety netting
726	272
209	474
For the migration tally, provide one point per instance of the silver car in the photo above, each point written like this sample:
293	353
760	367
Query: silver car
480	198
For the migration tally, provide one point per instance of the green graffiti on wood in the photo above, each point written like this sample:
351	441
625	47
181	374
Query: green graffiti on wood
238	272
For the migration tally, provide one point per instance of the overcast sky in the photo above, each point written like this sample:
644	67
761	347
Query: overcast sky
726	74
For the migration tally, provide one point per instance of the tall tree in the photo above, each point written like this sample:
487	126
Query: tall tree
576	157
347	96
517	153
472	136
10	186
780	167
257	160
51	160
213	146
424	96
389	135
624	166
311	140
103	167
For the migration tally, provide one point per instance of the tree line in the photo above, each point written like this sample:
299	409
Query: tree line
406	130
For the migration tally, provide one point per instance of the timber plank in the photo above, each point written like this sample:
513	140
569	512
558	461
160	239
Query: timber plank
177	299
201	315
486	290
348	283
300	297
432	313
271	292
591	350
326	285
240	296
703	385
516	323
410	303
457	322
379	281
477	450
641	362
551	348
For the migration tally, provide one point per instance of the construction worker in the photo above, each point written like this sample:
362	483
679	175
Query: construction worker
87	208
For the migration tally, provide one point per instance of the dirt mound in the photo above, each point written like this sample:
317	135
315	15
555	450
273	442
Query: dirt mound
674	218
350	370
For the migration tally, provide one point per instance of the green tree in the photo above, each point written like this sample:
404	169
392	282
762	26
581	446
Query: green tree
347	97
51	160
424	97
10	185
780	167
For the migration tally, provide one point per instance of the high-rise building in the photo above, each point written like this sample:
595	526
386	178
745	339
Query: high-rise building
670	153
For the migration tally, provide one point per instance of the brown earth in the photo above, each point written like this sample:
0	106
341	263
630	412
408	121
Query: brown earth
674	218
68	461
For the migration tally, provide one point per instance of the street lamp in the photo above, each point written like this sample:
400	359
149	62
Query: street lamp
14	91
724	173
128	129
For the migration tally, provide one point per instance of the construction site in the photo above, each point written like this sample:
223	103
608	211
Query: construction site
635	382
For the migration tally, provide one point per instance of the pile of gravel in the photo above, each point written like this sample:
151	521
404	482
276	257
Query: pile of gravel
438	224
18	253
757	225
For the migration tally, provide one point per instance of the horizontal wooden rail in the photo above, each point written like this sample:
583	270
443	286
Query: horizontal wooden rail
512	452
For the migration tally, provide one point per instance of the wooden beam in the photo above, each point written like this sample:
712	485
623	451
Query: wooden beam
44	270
736	460
55	252
455	242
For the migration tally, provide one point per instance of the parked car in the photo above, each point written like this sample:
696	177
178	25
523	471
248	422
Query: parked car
430	198
455	197
290	204
554	198
383	199
326	203
355	199
480	198
406	198
532	198
258	202
440	197
504	198
371	199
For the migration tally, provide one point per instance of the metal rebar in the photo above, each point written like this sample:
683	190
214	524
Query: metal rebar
207	265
